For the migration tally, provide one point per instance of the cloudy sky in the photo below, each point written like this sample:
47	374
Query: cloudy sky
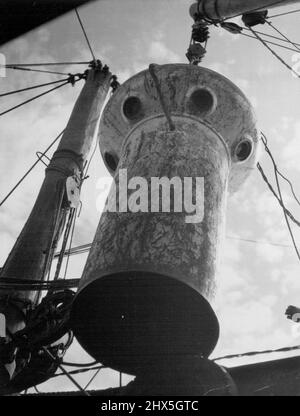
257	281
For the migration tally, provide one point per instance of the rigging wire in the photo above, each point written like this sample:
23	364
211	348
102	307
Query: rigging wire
82	370
66	373
48	64
279	197
274	53
85	34
71	241
291	186
289	214
67	228
33	87
19	68
273	37
284	14
38	96
254	353
283	35
31	167
265	142
10	283
247	240
92	378
270	43
85	248
76	250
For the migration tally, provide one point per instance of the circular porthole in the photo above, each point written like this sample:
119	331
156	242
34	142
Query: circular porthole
243	150
132	108
201	102
111	161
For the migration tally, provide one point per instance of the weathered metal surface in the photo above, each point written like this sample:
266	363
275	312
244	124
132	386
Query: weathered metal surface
150	276
31	255
220	9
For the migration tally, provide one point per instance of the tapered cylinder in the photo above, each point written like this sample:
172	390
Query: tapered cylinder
179	136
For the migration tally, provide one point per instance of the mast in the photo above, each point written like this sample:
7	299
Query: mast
33	251
220	9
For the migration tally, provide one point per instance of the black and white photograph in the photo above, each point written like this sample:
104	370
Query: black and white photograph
149	202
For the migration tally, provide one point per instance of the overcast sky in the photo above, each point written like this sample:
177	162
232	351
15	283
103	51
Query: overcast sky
257	281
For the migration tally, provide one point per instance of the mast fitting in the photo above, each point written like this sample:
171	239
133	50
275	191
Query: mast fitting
255	18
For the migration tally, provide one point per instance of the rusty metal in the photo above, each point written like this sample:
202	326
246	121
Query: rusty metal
149	279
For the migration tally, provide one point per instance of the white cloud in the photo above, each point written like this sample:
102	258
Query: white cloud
160	53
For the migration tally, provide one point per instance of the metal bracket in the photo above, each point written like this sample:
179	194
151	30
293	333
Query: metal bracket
73	191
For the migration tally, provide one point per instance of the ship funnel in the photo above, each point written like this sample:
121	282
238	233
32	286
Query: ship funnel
176	138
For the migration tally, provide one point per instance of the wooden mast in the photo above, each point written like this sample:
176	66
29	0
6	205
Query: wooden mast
32	253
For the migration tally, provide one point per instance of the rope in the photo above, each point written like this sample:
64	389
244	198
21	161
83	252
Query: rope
33	87
85	35
254	353
31	168
274	53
